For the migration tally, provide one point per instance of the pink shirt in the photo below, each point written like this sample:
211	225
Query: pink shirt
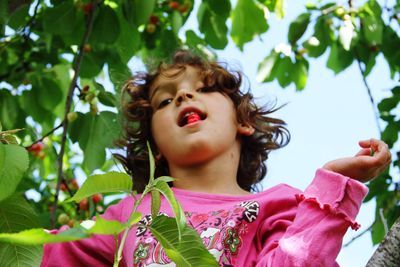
281	226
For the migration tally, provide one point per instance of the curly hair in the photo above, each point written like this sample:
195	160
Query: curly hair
269	134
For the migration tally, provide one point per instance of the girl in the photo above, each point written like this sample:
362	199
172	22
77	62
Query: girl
214	140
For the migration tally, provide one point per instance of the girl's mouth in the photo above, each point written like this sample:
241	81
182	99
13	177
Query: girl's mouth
190	116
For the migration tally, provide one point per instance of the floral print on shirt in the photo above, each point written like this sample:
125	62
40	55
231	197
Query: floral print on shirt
222	233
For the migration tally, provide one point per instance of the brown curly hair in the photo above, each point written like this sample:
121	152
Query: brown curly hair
269	134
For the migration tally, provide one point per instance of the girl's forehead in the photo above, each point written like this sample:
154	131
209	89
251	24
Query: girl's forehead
176	75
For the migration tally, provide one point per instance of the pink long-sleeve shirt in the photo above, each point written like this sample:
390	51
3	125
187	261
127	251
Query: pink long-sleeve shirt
281	226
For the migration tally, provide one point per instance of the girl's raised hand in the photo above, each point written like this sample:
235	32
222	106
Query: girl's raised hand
369	162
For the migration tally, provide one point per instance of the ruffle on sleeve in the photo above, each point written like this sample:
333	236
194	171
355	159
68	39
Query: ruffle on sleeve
353	224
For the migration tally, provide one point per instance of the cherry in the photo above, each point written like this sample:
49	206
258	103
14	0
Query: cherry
74	184
87	8
84	204
97	198
174	5
154	19
63	187
151	28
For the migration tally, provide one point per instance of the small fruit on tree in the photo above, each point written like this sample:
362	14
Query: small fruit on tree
84	204
154	19
174	5
74	184
72	116
97	198
151	28
63	218
87	8
63	187
87	48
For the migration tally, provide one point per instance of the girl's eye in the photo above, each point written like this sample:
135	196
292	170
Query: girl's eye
205	89
164	103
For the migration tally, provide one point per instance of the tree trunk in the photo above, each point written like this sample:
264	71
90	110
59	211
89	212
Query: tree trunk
388	252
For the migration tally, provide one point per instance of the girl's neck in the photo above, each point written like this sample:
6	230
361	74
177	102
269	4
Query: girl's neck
217	176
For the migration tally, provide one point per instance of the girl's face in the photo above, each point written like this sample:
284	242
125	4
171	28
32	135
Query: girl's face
191	124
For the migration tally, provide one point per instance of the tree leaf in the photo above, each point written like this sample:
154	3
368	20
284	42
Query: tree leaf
143	10
279	9
213	27
13	163
106	227
9	109
17	215
284	71
265	68
177	21
372	29
391	133
19	17
339	59
298	27
155	203
128	41
152	164
95	133
221	7
189	251
300	74
322	38
103	183
242	31
106	28
60	18
164	189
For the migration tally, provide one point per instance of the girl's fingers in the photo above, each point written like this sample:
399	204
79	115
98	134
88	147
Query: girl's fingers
364	152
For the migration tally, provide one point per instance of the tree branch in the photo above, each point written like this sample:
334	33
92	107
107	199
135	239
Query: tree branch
76	68
388	252
47	134
370	95
358	236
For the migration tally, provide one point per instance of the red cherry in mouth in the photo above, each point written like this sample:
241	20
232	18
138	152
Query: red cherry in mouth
192	118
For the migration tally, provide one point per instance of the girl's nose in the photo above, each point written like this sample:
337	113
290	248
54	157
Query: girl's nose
184	95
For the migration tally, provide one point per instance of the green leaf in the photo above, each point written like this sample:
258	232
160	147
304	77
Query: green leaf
243	31
95	133
49	92
298	27
137	12
17	215
9	109
91	65
103	183
388	104
128	41
322	38
339	59
300	74
106	28
220	7
106	98
13	163
391	133
134	218
106	227
152	164
39	236
189	251
372	29
378	230
265	68
155	203
213	27
284	71
164	189
60	18
279	9
177	21
19	17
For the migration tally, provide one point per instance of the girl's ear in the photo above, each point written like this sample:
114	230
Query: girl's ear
245	129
